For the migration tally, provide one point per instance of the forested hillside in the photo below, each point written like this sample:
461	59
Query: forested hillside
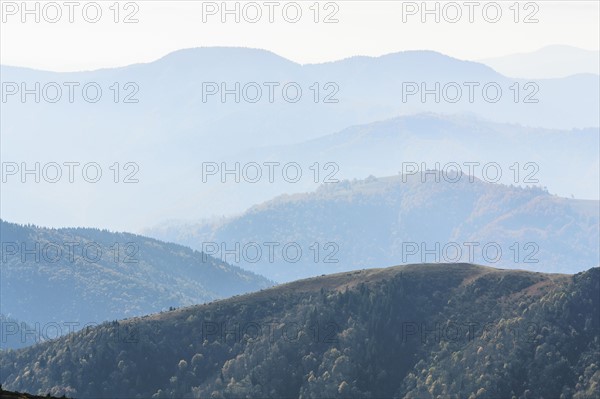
417	331
59	279
405	219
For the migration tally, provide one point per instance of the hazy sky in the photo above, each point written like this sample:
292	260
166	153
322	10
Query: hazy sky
363	28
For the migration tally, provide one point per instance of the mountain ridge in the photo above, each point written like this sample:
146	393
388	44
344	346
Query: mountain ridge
380	220
370	317
95	276
195	51
547	62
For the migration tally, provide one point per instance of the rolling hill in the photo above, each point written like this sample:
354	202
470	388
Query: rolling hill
55	280
398	219
381	148
417	331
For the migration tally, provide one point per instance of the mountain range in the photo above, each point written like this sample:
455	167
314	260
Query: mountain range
498	152
175	119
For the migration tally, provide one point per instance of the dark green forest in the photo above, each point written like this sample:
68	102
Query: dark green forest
417	331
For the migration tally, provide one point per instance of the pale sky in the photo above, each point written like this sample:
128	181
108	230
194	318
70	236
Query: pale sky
363	28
